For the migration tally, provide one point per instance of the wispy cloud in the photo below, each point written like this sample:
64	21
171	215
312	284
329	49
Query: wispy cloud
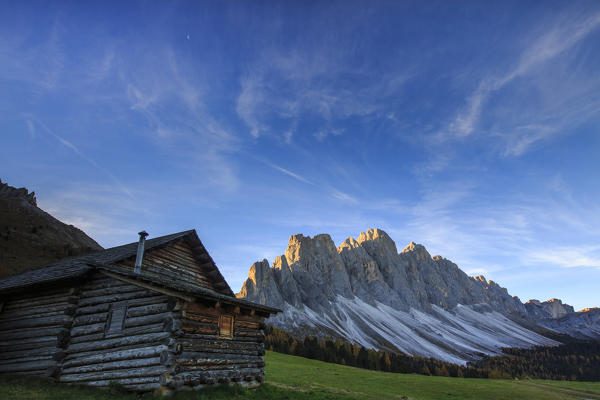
30	120
107	216
567	256
522	121
566	33
290	173
323	133
344	197
289	86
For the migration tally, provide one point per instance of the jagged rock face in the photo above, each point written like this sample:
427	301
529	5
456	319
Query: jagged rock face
584	324
367	292
553	308
313	272
30	237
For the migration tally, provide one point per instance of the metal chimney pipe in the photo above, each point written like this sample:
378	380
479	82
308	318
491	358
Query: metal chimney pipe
140	252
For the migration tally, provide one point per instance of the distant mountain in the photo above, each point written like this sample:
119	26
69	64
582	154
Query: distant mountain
30	237
366	292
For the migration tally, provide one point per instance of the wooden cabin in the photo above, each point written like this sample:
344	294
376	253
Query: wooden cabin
95	319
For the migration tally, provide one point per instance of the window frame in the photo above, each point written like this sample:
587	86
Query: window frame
226	319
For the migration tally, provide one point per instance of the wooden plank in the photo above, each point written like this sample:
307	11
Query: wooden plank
21	352
147	319
200	327
28	343
196	358
39	294
201	309
205	345
44	311
247	325
256	333
136	330
181	334
149	309
140	384
169	271
107	282
154	350
90	319
40	302
210	319
109	290
115	374
250	318
152	299
30	333
175	258
168	264
83	330
54	320
141	363
27	366
194	378
25	359
152	287
101	343
113	298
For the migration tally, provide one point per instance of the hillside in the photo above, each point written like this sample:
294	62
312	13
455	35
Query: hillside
30	237
290	377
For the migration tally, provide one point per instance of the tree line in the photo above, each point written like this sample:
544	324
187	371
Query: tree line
576	360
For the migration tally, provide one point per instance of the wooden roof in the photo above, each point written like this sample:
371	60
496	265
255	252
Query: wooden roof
106	260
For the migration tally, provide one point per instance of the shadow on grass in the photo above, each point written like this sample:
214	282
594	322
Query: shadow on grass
19	387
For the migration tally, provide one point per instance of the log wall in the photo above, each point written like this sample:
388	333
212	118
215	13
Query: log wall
127	351
176	261
107	330
34	330
199	355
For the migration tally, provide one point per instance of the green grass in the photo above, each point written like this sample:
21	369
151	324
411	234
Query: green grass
297	378
297	373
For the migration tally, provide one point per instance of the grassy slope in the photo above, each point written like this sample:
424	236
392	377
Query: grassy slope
290	377
299	373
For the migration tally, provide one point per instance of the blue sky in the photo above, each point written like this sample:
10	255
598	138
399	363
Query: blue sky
469	127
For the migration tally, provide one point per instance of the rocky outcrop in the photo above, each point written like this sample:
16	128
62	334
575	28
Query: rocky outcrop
367	292
553	314
584	324
549	309
313	272
30	237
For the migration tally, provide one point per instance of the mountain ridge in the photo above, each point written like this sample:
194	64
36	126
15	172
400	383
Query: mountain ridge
366	291
31	237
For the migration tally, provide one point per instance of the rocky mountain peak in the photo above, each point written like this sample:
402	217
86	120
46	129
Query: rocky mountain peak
349	243
30	237
549	309
377	236
258	270
417	250
302	247
314	272
534	301
367	292
9	192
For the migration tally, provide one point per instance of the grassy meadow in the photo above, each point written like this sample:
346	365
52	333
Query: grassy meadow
290	377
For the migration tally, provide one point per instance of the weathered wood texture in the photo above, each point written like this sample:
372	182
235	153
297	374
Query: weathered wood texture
117	335
177	261
34	329
108	330
201	355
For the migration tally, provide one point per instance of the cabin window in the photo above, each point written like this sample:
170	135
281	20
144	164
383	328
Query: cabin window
226	326
116	320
